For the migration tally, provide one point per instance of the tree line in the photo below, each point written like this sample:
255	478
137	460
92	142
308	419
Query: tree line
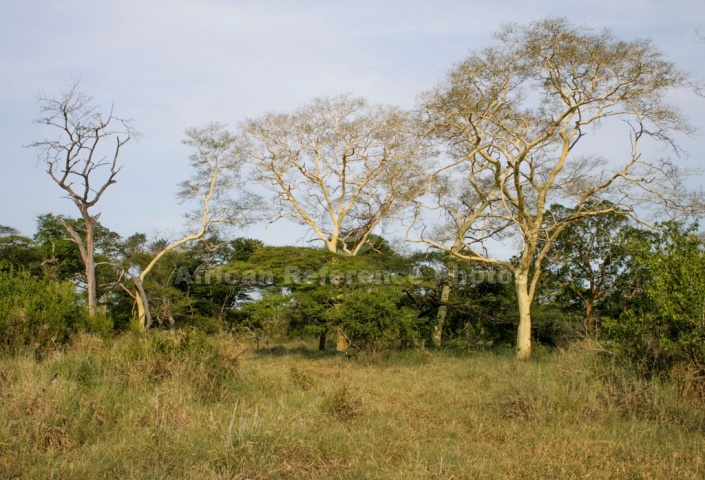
602	246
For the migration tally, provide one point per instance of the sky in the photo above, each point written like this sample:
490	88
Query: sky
174	64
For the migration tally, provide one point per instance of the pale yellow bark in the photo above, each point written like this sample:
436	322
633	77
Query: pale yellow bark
437	337
524	331
342	342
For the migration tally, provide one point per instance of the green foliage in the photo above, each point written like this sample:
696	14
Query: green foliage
61	256
586	265
361	297
167	300
666	324
40	314
267	317
239	249
313	291
482	307
372	317
555	326
18	252
100	324
192	284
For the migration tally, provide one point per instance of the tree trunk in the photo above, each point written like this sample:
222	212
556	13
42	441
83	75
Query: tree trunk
322	340
521	280
589	319
341	340
86	248
341	343
442	312
89	262
144	318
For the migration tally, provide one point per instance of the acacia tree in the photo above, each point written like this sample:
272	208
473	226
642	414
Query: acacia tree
338	165
509	118
216	174
18	252
83	163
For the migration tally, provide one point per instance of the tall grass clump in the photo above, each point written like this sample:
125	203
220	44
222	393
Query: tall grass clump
206	366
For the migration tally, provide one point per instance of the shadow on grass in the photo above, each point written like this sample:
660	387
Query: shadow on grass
398	357
298	351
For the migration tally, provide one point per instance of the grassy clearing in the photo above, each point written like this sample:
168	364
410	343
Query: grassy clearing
197	407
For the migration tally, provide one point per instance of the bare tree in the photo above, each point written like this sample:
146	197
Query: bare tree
83	162
509	118
338	165
216	175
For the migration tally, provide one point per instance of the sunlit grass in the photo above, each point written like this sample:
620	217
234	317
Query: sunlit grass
197	407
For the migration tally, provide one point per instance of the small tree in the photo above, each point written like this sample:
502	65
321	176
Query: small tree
216	166
82	163
509	119
589	261
356	294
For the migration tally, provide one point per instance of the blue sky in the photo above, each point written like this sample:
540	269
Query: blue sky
171	65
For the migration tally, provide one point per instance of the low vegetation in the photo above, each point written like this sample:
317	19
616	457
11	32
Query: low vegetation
186	405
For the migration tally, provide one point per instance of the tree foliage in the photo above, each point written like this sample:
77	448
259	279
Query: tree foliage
590	262
666	324
41	314
18	252
508	119
338	166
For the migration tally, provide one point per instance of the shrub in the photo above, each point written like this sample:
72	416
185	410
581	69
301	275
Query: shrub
665	327
373	319
40	313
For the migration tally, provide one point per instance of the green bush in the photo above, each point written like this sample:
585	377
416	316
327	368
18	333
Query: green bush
665	327
101	324
39	313
373	319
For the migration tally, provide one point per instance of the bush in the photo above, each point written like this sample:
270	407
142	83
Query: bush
665	328
554	326
40	314
373	319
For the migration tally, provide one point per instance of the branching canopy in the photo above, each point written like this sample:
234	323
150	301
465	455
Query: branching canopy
338	165
508	120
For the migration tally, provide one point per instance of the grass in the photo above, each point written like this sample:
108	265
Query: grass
189	406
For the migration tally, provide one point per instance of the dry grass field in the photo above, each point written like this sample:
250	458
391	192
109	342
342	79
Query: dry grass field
190	406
